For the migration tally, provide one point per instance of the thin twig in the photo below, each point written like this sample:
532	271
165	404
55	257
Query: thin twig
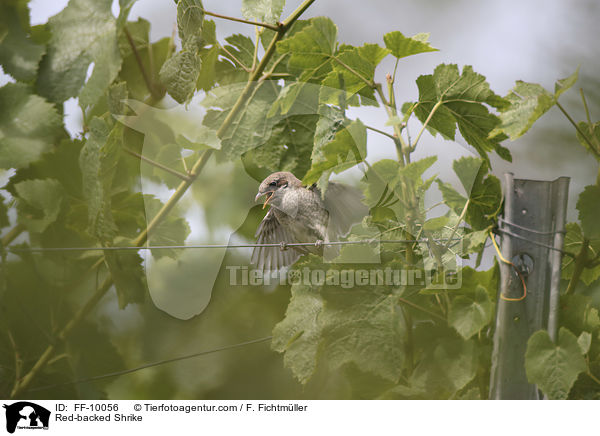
235	59
422	309
585	105
381	132
12	234
138	59
435	108
241	20
157	164
151	365
583	135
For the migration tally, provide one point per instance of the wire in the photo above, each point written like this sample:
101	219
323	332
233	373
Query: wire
150	365
527	229
282	245
503	259
549	247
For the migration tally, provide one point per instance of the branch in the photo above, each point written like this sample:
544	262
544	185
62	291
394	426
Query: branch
583	135
241	20
167	207
12	234
435	108
138	59
580	262
157	164
236	60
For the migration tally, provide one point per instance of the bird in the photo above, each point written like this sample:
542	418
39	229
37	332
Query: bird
298	213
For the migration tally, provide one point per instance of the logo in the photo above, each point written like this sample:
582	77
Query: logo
26	415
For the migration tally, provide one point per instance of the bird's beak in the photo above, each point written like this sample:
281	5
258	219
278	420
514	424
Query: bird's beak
269	194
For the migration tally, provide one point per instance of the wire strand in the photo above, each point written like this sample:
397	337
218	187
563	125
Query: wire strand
152	364
282	245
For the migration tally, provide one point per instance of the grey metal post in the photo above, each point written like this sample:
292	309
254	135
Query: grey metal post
532	237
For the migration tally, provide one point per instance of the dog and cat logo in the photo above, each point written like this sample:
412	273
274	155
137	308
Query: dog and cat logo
26	415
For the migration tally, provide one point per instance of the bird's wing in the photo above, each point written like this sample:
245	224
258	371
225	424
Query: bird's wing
270	231
345	208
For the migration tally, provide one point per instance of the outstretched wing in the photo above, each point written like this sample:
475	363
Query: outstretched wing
345	208
270	231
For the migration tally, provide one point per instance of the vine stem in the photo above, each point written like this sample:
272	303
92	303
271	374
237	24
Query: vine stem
147	80
583	135
24	383
12	234
422	309
435	108
165	168
241	20
580	262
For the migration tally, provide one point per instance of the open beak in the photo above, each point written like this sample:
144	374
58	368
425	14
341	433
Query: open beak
269	194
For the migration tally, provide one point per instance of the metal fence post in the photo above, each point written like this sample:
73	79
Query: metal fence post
532	236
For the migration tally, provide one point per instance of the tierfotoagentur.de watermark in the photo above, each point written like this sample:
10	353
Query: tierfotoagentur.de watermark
345	278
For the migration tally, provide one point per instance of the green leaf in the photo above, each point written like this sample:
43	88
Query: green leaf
29	125
592	134
528	102
180	73
554	367
467	169
128	276
252	126
573	243
348	148
311	49
265	11
98	162
373	53
363	326
151	56
173	230
82	33
190	19
460	100
588	206
3	213
299	333
449	363
584	341
468	315
578	313
402	46
19	54
290	146
40	203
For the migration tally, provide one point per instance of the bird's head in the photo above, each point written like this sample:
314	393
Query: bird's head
275	185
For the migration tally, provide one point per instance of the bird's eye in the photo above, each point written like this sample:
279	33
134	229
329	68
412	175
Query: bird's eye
273	184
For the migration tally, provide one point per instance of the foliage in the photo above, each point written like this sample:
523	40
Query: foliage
277	102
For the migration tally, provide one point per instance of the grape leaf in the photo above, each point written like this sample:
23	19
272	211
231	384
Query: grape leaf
181	71
265	11
469	314
592	133
459	100
584	341
299	333
98	161
573	242
588	206
173	230
528	102
128	276
40	203
19	54
401	46
554	367
29	125
82	33
311	49
348	148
